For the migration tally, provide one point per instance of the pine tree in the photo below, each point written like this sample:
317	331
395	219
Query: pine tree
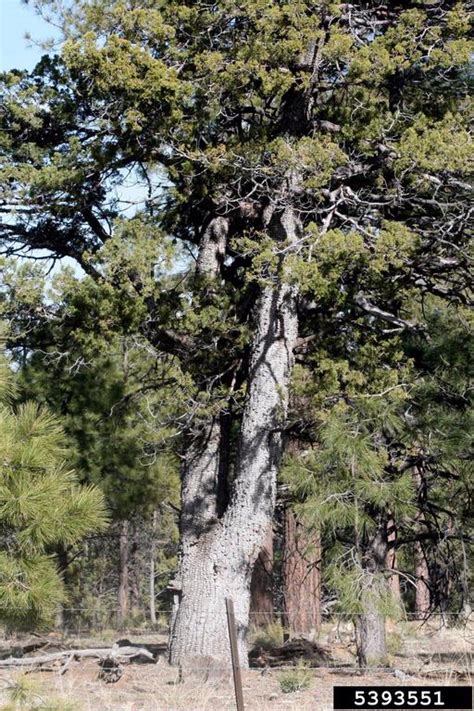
42	505
371	424
442	457
346	485
118	402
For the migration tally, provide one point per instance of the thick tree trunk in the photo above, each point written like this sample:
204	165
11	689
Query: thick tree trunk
370	626
301	579
217	554
123	591
370	630
422	575
261	586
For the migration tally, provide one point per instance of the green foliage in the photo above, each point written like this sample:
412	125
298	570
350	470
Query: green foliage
225	110
269	637
394	643
443	408
118	427
358	590
25	694
116	395
381	418
41	505
296	679
437	146
346	475
166	72
120	403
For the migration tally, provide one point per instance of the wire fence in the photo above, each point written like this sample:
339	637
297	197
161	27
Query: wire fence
320	648
81	620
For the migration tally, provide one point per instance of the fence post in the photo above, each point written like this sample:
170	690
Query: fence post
234	652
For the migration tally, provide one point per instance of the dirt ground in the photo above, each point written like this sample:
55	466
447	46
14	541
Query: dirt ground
420	655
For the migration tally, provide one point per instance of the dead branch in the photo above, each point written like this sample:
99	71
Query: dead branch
114	652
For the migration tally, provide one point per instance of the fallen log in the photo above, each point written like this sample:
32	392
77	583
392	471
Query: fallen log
289	653
114	652
458	674
35	644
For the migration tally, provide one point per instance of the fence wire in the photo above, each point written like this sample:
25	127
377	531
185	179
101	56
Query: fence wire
94	621
431	663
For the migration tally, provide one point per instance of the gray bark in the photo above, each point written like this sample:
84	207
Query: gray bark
217	554
371	639
370	631
200	475
213	246
114	652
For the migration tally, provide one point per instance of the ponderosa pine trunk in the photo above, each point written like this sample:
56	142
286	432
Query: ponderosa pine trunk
391	560
124	587
152	572
261	586
134	569
301	578
422	590
217	554
371	638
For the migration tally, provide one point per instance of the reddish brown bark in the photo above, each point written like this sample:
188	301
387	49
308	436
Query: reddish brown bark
422	574
261	587
124	578
422	597
391	560
301	578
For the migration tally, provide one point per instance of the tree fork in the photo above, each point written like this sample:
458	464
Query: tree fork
216	562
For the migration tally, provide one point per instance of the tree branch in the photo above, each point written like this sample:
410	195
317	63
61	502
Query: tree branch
369	308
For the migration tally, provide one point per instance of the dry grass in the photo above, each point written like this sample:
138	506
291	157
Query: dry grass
267	637
144	687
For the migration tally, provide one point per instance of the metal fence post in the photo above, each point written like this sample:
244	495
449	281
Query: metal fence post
239	694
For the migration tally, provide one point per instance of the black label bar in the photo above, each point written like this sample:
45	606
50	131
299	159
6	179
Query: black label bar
447	698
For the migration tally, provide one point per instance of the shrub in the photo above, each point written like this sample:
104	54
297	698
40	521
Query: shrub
295	679
268	637
394	643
